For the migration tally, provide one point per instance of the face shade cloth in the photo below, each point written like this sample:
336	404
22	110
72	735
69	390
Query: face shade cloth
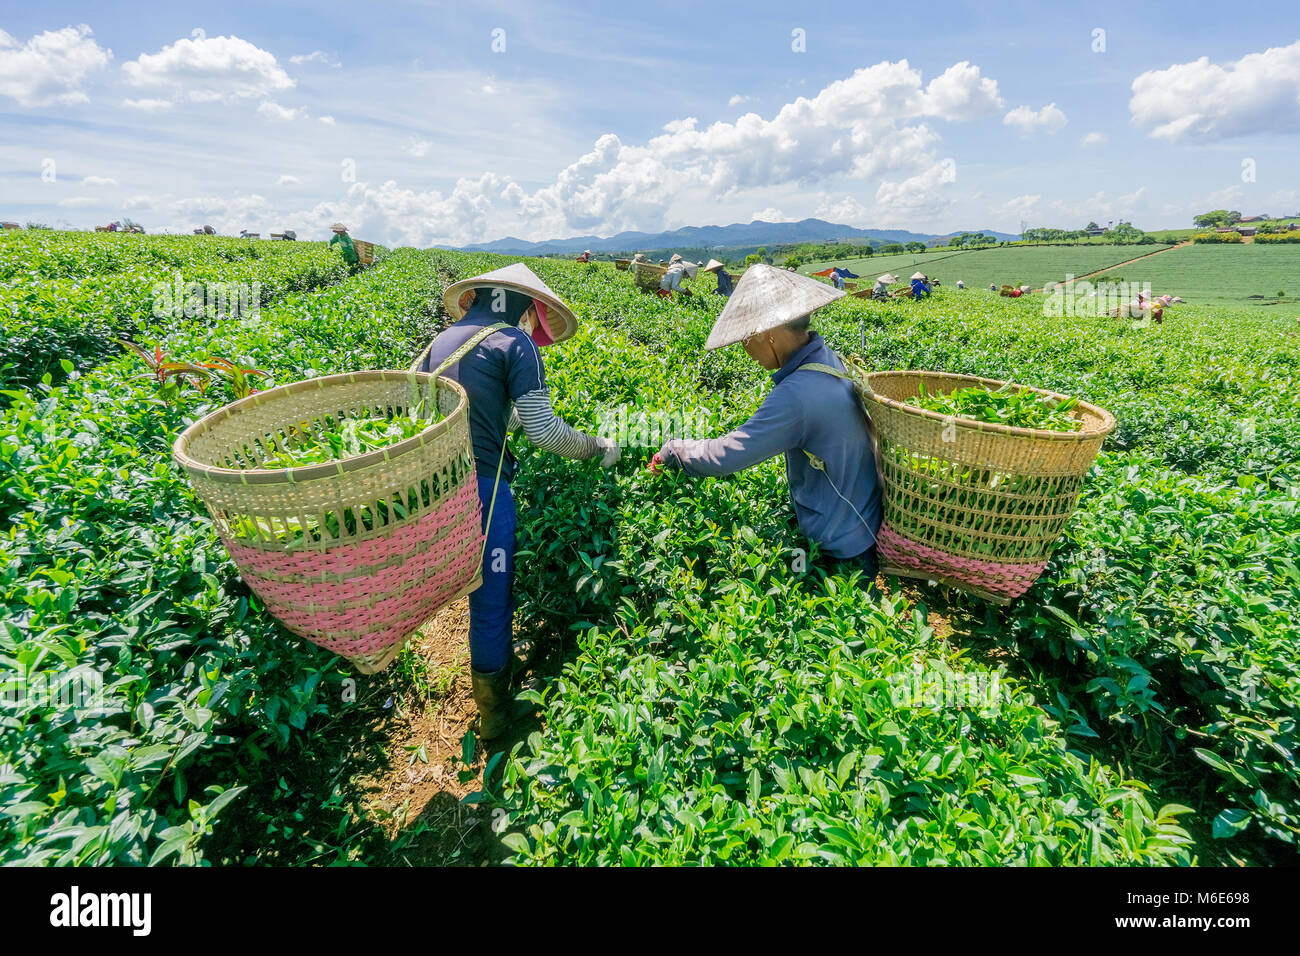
541	331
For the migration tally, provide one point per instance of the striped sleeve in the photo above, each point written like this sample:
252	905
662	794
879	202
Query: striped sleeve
549	432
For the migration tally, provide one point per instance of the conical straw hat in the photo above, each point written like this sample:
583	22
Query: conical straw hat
918	275
713	264
339	227
690	268
676	257
887	277
767	297
559	317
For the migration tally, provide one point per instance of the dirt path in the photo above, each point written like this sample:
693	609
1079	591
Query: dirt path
1097	272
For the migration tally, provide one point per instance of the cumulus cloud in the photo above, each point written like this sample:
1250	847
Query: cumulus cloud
327	120
139	202
738	99
281	114
864	126
770	214
50	67
406	216
417	147
1204	102
918	198
287	180
1096	139
315	56
1049	119
206	69
77	202
148	105
98	181
847	210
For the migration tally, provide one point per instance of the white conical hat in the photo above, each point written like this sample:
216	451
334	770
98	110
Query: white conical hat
713	264
887	277
690	268
563	323
676	257
767	297
918	275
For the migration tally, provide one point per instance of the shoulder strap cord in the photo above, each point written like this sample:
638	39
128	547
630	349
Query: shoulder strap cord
820	465
452	359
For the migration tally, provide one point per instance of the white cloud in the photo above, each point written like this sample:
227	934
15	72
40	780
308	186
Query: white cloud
1020	206
327	120
1096	139
315	56
1100	206
1203	101
98	181
960	93
281	114
210	68
738	99
50	67
1049	118
409	217
287	180
847	211
770	214
917	199
866	125
148	105
417	147
140	202
77	202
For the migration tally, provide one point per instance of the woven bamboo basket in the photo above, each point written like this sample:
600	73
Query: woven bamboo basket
353	555
974	505
365	251
647	276
622	264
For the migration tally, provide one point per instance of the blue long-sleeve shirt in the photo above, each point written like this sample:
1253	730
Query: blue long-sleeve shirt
724	283
805	411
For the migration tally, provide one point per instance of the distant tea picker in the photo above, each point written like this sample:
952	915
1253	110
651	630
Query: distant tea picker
356	252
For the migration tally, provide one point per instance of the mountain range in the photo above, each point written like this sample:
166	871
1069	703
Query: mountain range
735	235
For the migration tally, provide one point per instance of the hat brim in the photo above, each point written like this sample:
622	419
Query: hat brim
560	319
765	298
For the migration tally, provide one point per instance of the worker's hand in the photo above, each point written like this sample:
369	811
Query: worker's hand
655	465
611	452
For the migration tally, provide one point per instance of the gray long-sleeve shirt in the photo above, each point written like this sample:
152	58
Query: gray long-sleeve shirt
813	412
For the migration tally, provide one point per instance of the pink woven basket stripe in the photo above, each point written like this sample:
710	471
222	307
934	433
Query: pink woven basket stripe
408	591
996	577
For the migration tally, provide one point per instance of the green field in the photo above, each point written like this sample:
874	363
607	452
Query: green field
1018	265
1250	274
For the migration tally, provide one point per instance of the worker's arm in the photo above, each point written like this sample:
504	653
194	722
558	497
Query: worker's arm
533	410
777	427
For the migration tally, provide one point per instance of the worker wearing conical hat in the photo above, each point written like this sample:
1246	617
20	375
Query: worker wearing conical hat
811	416
344	242
725	286
505	317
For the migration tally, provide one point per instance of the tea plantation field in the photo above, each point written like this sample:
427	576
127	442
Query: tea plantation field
1005	265
1248	273
709	699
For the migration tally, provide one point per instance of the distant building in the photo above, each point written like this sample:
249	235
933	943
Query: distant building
1247	230
1251	219
1095	232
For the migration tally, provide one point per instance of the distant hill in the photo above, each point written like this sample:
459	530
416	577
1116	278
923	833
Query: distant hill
737	234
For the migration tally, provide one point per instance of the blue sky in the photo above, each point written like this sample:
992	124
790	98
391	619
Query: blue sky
406	122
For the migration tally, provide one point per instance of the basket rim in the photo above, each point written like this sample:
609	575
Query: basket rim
1107	425
266	476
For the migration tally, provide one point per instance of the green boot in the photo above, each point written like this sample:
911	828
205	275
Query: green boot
495	699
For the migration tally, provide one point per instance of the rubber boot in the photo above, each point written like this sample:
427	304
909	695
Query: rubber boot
495	699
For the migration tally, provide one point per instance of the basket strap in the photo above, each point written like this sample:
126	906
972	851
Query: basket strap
461	352
860	385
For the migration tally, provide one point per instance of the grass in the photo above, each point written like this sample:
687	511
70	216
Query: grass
1243	275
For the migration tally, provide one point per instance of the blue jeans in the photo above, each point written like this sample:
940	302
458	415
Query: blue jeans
492	605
